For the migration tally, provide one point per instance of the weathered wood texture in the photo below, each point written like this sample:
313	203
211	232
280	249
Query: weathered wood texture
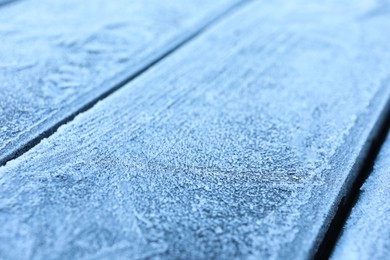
56	56
241	144
367	232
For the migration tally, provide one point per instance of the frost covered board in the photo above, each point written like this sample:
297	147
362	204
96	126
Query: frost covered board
240	144
57	56
367	232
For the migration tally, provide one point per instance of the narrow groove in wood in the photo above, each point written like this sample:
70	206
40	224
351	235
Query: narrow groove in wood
366	163
51	130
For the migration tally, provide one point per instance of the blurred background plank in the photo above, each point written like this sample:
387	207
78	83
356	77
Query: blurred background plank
240	144
367	232
56	57
4	2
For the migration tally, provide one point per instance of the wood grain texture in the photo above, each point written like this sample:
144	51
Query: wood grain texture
57	56
239	145
367	232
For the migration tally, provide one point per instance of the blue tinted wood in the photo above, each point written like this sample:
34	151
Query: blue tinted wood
239	145
57	56
367	232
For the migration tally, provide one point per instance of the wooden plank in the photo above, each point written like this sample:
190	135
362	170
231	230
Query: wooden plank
58	56
239	145
366	234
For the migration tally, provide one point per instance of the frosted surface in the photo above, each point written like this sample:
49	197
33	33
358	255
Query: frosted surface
238	145
56	56
367	232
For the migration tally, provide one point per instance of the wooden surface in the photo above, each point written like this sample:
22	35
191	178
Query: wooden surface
57	56
367	232
240	144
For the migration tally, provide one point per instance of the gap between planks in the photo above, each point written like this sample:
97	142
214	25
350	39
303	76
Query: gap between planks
365	166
